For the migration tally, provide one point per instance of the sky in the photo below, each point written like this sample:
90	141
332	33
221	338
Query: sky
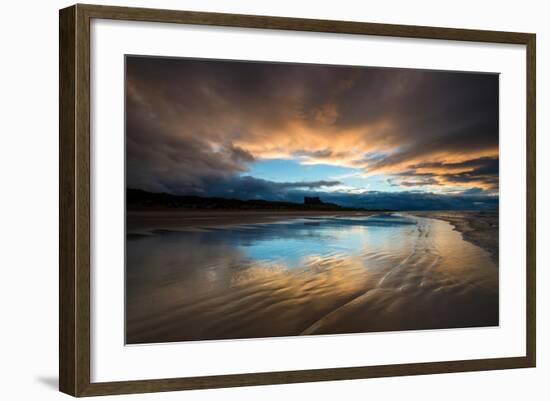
356	136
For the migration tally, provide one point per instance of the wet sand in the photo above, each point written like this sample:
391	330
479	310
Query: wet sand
228	276
169	219
480	227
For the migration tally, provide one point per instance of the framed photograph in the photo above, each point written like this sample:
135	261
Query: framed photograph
250	200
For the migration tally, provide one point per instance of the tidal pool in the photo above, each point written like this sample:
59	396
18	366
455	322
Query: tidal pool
306	276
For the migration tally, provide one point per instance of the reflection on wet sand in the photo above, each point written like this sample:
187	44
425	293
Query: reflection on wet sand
315	275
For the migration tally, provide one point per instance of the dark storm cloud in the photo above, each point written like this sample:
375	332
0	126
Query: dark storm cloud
253	188
308	184
194	126
474	198
482	165
480	173
248	187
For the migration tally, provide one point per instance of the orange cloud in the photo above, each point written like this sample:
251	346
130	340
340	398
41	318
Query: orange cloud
191	120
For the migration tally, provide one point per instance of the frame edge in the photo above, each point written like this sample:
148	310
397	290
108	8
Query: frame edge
300	24
74	202
67	131
531	289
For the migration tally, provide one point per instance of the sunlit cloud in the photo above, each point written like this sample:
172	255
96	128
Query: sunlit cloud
198	126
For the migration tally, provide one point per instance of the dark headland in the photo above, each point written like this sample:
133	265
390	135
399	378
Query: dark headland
137	199
147	211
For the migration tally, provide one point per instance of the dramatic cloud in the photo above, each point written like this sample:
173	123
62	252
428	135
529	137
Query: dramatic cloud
410	200
197	126
481	173
249	188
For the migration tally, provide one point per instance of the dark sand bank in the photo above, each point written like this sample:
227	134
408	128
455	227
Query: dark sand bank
139	221
479	227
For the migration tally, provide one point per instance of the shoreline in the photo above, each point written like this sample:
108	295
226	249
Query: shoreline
477	227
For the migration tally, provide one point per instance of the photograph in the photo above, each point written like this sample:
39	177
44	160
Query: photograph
276	199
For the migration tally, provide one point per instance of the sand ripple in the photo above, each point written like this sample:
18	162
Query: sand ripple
261	281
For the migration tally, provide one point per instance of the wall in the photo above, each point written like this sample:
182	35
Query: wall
28	212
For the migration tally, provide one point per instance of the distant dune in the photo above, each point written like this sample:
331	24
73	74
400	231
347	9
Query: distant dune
137	199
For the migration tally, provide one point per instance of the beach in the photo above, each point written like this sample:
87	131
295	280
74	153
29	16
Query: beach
230	275
480	227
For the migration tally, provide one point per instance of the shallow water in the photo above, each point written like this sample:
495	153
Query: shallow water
321	275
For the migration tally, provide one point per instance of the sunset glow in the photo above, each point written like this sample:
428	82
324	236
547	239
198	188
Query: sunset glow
275	131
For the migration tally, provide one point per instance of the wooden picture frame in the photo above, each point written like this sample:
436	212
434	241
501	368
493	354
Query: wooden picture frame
74	205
